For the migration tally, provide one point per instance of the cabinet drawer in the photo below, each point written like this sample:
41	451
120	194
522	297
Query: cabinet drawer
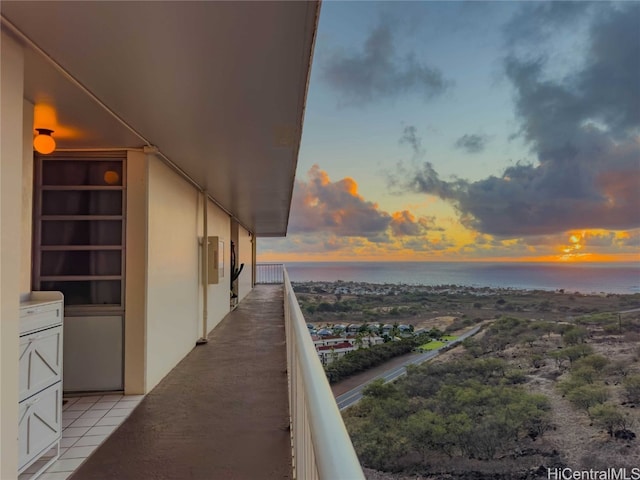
39	424
40	361
37	317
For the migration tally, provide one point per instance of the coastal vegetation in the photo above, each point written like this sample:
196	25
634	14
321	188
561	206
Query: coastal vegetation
340	302
363	359
552	380
472	408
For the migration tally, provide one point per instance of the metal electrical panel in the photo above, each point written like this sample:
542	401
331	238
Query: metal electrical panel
214	255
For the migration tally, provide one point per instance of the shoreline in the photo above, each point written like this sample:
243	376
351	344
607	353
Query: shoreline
458	288
621	278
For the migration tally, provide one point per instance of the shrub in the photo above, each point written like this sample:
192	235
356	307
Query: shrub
632	387
608	417
587	396
597	362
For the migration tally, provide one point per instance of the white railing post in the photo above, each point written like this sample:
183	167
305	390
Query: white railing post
269	273
321	445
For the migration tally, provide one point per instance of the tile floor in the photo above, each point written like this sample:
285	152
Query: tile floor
86	423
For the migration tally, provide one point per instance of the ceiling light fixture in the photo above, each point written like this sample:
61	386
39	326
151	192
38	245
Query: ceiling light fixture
44	142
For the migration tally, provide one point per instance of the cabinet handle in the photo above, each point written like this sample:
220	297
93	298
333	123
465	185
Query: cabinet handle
29	312
36	338
33	402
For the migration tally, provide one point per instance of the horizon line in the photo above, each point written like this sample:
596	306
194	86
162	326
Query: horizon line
494	260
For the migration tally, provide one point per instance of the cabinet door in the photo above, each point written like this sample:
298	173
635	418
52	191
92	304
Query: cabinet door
39	424
40	361
93	353
37	317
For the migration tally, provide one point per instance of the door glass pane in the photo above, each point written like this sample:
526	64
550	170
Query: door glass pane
82	202
82	232
106	262
82	172
89	292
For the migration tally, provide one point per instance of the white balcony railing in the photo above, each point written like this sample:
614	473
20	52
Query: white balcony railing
269	272
321	445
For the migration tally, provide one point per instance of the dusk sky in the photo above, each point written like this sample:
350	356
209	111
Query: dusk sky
452	131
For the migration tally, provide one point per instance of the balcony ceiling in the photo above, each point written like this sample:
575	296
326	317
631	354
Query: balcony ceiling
218	87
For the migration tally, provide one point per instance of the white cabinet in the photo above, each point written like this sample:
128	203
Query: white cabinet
40	364
39	424
40	357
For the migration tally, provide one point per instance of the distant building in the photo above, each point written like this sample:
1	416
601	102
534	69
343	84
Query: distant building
353	328
330	353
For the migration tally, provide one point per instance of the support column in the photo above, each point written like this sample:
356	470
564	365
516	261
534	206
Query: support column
11	154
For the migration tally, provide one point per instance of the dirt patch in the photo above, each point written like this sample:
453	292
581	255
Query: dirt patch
441	323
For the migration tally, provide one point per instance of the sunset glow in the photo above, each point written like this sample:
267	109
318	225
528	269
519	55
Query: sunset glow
422	143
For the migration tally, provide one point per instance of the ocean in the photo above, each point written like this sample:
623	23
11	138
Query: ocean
572	277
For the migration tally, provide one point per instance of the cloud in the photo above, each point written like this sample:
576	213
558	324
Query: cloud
378	72
629	239
410	137
321	205
405	224
535	21
433	245
585	132
472	143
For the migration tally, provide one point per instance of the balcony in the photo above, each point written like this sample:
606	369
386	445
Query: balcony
252	403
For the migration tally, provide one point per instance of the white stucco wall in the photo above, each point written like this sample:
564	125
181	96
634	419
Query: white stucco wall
11	159
27	197
164	309
245	256
173	316
135	318
218	224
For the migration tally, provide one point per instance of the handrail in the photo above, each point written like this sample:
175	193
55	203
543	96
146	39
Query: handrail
269	273
321	445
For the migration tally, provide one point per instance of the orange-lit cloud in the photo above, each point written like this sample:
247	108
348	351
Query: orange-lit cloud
321	205
331	220
404	223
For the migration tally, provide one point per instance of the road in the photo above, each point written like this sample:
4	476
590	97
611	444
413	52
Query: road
354	395
633	310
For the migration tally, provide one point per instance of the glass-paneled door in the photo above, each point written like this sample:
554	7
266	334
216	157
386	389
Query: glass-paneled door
79	249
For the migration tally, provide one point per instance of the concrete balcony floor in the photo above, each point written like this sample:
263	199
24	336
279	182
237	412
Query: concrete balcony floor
221	413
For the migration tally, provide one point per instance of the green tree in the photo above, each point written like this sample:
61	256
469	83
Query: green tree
575	335
586	396
584	373
379	389
472	346
380	445
426	431
575	352
608	417
325	307
491	434
597	362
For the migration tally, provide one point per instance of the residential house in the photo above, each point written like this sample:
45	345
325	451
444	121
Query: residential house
331	353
